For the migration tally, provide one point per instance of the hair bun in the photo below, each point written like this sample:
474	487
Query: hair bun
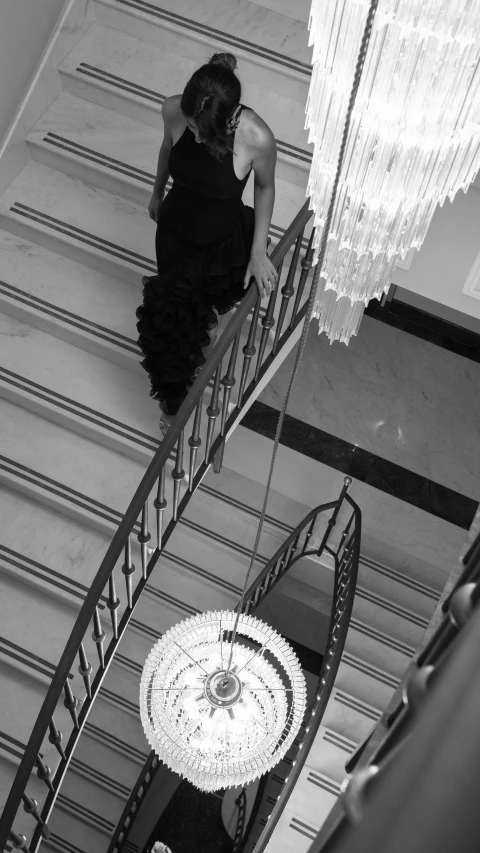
226	60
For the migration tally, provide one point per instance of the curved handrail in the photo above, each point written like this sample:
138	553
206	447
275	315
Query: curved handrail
121	539
288	553
346	571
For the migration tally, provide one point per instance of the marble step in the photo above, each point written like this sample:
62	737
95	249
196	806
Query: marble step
34	630
44	550
378	649
124	72
293	832
115	153
309	804
382	580
386	616
329	753
74	830
104	231
69	300
21	698
365	682
95	792
350	717
261	26
51	376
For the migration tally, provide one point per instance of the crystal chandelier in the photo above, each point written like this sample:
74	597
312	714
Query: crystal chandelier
413	139
222	697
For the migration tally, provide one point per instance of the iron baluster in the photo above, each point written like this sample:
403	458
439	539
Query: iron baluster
31	808
85	670
19	841
160	504
71	704
44	773
288	290
213	411
128	570
249	351
308	535
195	442
228	383
113	604
333	518
55	737
268	323
178	474
144	538
98	636
306	264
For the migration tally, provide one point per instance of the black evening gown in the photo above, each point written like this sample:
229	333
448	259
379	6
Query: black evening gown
203	243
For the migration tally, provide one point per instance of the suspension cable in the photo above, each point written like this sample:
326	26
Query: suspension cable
311	300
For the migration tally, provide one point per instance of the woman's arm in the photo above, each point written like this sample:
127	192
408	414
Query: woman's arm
168	114
263	163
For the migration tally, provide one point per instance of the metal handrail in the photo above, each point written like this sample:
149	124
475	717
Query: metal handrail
121	541
275	569
342	607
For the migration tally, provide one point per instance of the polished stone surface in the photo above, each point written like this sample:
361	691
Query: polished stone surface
413	405
364	466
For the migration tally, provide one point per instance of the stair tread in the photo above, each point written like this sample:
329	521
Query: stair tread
101	131
85	124
76	292
258	24
45	548
99	215
138	62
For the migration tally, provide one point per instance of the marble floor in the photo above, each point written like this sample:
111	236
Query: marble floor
402	399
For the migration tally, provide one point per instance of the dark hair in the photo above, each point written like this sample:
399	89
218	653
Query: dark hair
210	97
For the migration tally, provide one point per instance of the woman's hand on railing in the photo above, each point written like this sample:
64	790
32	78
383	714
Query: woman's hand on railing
262	270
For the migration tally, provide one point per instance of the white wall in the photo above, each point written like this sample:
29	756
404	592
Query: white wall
25	30
440	268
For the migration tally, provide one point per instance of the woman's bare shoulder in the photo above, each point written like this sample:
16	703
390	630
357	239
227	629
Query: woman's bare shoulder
171	107
257	133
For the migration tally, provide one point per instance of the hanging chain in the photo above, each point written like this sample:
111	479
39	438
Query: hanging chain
311	299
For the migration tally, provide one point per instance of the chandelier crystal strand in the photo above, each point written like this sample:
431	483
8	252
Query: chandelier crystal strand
414	138
222	724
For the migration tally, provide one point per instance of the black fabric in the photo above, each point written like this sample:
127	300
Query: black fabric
203	242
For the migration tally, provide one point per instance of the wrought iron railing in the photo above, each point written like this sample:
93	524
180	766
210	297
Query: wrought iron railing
194	425
345	557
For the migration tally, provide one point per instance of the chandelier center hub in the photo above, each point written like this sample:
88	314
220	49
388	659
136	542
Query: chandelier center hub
222	690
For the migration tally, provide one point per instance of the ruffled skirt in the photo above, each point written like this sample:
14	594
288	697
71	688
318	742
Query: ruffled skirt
180	305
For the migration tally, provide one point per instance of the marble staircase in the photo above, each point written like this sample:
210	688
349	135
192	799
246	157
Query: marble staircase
78	427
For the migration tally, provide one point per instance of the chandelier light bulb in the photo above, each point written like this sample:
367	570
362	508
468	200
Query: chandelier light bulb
216	726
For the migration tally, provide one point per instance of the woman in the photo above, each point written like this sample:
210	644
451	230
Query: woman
208	243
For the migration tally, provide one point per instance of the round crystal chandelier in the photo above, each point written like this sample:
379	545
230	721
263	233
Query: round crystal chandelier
222	697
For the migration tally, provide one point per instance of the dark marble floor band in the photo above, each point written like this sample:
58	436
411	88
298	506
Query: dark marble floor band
423	325
364	466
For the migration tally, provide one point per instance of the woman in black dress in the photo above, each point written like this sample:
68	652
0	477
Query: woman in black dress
208	243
